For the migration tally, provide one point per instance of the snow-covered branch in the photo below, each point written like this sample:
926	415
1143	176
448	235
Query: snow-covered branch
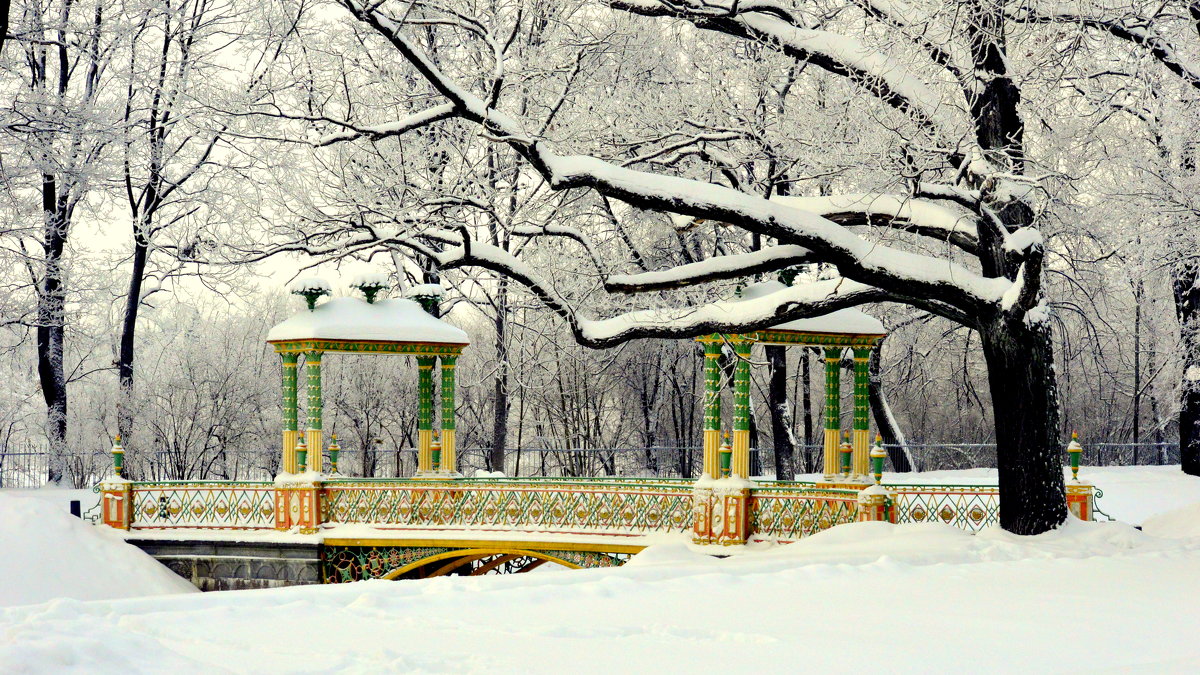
905	213
1137	33
381	131
714	269
914	276
842	55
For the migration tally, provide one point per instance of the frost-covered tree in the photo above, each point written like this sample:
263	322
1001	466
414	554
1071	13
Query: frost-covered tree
949	112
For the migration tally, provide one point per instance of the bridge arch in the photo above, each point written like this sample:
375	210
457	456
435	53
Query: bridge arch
459	557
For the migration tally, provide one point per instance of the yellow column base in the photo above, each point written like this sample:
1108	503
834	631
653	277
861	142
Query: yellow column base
831	466
424	456
740	466
712	446
449	458
860	460
288	463
312	438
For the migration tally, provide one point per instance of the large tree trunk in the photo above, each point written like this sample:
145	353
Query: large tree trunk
1187	308
781	413
889	429
125	351
51	310
495	454
1020	360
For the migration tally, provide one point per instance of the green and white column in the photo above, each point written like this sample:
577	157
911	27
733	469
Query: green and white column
712	405
833	410
312	363
862	407
449	461
425	413
740	466
290	428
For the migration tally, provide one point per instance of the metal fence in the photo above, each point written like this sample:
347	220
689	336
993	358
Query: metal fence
28	468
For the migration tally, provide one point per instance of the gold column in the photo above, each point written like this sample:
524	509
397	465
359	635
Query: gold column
740	466
312	363
425	414
861	458
833	412
712	405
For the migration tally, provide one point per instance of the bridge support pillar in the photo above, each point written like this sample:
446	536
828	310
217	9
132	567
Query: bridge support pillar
297	505
1079	499
702	515
873	505
733	502
116	502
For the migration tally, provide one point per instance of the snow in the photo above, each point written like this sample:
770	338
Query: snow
369	280
925	597
426	291
738	314
847	321
49	554
1132	494
391	320
310	284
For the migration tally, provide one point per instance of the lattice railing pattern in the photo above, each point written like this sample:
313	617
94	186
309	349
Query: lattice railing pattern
247	506
969	507
788	514
624	507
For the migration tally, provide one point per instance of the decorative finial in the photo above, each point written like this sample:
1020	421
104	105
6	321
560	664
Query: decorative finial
371	284
311	288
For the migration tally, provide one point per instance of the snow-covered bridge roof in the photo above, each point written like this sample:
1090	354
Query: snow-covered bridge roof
355	320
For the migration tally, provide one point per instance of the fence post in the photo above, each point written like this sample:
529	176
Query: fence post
873	504
703	528
116	502
1079	493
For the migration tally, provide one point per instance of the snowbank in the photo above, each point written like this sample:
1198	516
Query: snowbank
50	554
926	598
1183	522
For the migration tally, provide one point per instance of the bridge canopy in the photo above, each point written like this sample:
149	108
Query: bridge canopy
368	325
355	325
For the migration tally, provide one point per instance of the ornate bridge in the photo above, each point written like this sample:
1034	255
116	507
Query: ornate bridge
348	529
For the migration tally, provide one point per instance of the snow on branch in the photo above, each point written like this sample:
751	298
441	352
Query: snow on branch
381	131
906	213
918	278
786	304
713	269
881	74
1136	33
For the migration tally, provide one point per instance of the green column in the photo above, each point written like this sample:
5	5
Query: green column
712	386
862	379
741	387
448	363
712	404
312	363
425	392
862	407
741	410
833	409
289	391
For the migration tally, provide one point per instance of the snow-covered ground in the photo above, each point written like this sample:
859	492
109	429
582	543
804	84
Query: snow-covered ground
1094	597
48	554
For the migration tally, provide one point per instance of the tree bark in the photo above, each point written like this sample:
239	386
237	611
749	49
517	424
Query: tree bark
495	455
51	310
1020	359
889	430
125	351
1187	308
781	413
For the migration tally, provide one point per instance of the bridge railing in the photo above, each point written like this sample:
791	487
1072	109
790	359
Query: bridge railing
967	507
636	506
202	504
787	512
